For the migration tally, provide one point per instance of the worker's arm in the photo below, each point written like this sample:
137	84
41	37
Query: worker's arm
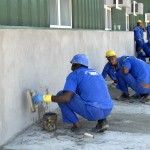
126	65
69	90
105	71
62	98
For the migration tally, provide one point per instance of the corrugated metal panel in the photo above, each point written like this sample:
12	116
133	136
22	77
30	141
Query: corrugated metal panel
24	13
88	14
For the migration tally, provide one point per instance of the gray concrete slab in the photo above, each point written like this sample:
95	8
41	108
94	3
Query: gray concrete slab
129	129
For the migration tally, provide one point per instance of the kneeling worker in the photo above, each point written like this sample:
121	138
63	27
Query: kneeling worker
134	73
109	69
85	93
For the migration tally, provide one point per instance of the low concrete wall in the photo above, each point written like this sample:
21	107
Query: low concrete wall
35	59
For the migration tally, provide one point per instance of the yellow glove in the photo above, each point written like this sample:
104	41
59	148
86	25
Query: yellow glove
47	98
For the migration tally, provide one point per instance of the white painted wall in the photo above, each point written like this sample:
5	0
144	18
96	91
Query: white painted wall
34	59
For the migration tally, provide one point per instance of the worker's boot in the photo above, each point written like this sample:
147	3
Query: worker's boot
123	97
135	97
145	98
101	126
76	127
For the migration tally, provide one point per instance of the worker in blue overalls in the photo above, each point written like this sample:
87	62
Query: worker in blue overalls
139	39
134	73
85	93
109	69
148	31
146	48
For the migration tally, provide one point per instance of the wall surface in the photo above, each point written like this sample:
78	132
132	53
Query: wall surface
24	13
88	14
38	59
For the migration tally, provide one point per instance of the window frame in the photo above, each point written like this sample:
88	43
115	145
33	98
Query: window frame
147	21
127	22
59	16
106	18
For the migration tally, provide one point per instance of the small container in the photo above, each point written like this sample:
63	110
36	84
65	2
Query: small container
49	122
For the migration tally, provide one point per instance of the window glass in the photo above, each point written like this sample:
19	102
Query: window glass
65	14
60	13
54	12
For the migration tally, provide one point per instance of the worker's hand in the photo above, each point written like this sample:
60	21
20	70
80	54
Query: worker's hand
42	98
37	98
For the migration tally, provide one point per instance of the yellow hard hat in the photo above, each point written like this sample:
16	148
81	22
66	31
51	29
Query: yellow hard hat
139	21
110	53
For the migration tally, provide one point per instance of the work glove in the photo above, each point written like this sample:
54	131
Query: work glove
42	98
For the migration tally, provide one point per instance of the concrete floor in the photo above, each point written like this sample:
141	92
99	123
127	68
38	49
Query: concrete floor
129	130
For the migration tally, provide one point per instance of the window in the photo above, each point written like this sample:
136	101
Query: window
61	13
119	1
108	24
127	22
147	18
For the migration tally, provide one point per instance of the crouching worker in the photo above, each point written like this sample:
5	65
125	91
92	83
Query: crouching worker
134	73
85	93
109	69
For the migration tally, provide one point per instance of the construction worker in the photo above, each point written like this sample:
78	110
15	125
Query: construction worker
109	69
148	31
139	39
146	48
134	73
85	93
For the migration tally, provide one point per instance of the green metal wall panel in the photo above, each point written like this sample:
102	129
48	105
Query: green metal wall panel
24	13
26	20
3	12
88	14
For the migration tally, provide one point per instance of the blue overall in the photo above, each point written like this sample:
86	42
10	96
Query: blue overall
146	48
110	71
148	32
91	98
139	72
139	39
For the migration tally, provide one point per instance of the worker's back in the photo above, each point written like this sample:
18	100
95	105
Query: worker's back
91	87
138	33
139	69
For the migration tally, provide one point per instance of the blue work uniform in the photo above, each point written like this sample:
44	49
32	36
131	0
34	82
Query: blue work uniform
110	71
148	32
139	72
91	98
139	39
146	49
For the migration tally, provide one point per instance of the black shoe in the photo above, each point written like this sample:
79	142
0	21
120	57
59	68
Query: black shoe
145	98
122	97
101	126
75	129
